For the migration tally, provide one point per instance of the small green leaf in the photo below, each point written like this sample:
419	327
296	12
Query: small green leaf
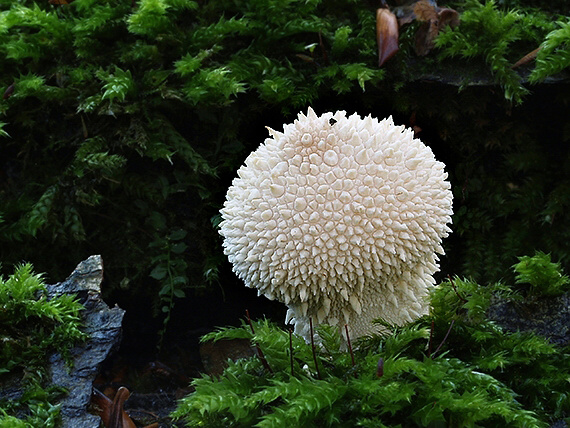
165	290
179	293
177	235
3	133
159	272
157	220
179	248
180	280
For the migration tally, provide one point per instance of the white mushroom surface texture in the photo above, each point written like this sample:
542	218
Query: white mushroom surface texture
341	218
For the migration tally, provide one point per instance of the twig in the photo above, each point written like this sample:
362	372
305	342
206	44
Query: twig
349	345
430	339
527	58
445	338
257	348
249	321
323	50
464	300
291	350
313	348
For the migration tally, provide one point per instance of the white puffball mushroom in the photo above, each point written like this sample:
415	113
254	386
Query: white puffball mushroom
341	218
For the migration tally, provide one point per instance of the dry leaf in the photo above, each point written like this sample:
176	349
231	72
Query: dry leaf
111	412
101	404
425	11
434	20
447	17
386	35
119	418
425	36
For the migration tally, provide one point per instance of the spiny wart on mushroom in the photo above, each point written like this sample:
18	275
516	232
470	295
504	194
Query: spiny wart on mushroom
341	223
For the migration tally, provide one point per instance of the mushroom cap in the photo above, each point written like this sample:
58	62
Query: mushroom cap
339	217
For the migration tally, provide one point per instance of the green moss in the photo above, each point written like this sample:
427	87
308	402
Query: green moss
32	327
544	277
554	54
452	368
500	38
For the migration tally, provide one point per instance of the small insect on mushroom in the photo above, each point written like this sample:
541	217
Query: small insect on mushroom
341	223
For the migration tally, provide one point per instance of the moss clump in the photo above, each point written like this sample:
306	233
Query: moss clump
453	368
501	37
544	277
554	55
32	327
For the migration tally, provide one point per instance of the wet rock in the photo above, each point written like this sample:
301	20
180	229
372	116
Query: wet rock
215	355
547	316
103	324
162	404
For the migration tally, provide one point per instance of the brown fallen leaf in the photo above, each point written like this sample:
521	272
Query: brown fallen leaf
433	19
119	418
111	412
447	17
425	36
386	35
425	10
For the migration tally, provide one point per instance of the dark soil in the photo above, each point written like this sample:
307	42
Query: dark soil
158	378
